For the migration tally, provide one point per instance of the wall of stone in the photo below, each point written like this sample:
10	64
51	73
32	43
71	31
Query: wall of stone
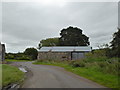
54	55
2	52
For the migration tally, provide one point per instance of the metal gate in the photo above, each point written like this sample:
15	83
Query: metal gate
76	55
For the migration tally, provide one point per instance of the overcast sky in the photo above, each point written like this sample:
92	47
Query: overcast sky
24	24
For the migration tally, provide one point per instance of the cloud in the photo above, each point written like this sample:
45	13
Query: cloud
25	23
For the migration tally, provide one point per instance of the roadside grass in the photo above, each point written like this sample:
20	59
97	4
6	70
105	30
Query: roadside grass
11	74
0	76
92	73
13	60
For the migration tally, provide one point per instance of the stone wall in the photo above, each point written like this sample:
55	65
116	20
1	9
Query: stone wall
2	52
54	55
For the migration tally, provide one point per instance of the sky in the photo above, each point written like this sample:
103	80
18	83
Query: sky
24	24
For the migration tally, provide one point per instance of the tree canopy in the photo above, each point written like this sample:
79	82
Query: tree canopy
49	42
32	52
115	43
73	36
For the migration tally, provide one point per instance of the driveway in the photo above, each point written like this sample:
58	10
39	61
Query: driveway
45	76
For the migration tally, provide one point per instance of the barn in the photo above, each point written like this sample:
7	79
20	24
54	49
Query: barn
2	52
63	52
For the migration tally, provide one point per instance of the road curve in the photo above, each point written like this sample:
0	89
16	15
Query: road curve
45	76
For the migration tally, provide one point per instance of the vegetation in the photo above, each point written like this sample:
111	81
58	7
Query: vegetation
71	36
13	60
115	44
31	52
0	76
28	54
49	42
17	56
11	74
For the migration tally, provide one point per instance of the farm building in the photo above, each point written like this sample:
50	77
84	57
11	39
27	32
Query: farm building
2	52
63	52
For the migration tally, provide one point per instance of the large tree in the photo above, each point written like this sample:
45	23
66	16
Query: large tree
49	42
73	36
31	52
115	44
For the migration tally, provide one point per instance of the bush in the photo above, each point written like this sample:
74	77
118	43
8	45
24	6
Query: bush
95	59
23	57
17	56
105	67
101	64
9	56
95	56
77	63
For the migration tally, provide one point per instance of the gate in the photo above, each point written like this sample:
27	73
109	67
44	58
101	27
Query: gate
77	55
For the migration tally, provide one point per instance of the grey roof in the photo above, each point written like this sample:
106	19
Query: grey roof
65	48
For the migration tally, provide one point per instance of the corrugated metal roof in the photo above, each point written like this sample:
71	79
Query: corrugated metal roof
45	49
65	48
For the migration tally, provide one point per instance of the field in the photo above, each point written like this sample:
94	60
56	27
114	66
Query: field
11	74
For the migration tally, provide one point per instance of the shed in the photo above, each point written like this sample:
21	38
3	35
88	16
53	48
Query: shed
2	52
63	52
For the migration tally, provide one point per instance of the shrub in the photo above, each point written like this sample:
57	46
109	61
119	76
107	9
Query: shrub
17	56
23	57
110	68
77	63
97	55
9	56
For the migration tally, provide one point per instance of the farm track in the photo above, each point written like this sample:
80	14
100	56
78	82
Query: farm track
45	76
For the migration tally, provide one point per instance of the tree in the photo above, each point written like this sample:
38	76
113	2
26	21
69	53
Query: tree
115	43
17	56
32	52
72	36
49	42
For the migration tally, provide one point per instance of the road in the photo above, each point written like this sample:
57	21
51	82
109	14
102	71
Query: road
45	76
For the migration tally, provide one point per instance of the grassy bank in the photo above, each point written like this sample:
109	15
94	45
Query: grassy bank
13	60
0	76
11	74
95	71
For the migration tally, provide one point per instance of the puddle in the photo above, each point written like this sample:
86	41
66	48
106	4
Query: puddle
22	69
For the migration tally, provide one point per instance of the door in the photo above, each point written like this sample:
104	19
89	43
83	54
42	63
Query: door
77	55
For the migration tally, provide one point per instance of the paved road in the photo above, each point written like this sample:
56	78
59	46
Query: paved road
45	76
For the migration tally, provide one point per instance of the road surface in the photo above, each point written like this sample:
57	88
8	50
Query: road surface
45	76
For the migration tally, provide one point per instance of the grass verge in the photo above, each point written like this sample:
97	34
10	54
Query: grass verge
0	76
13	60
91	73
11	74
